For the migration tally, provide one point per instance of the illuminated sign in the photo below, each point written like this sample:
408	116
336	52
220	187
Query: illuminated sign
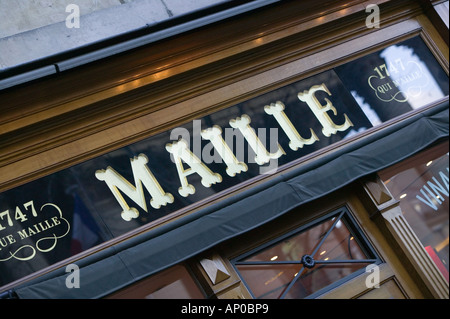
144	178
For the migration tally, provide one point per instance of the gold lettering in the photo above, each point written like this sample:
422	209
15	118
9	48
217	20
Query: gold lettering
296	140
22	233
180	151
214	134
43	227
320	111
31	232
142	175
7	240
5	216
262	155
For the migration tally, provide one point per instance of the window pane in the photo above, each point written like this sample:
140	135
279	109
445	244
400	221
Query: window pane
336	251
395	80
268	281
295	247
422	185
314	279
339	245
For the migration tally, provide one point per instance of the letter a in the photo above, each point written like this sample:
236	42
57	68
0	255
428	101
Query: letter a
73	279
373	279
73	19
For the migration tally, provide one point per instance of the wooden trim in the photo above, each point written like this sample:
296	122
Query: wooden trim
416	252
78	127
23	162
431	37
437	17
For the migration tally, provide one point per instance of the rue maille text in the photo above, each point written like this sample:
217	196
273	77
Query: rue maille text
143	176
22	214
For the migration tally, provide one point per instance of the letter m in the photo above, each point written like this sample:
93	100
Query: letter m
143	177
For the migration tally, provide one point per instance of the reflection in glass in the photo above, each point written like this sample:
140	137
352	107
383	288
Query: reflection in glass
411	76
268	281
306	262
422	186
395	80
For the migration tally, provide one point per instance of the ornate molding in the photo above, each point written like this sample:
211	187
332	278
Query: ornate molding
218	277
414	249
379	199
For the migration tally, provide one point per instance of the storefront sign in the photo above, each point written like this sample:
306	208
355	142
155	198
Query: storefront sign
144	178
65	213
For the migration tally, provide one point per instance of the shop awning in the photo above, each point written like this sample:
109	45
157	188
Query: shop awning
125	263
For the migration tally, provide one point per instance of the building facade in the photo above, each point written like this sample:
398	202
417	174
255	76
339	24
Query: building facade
295	150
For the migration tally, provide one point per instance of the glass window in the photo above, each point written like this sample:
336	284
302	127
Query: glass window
395	80
421	183
304	263
173	283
